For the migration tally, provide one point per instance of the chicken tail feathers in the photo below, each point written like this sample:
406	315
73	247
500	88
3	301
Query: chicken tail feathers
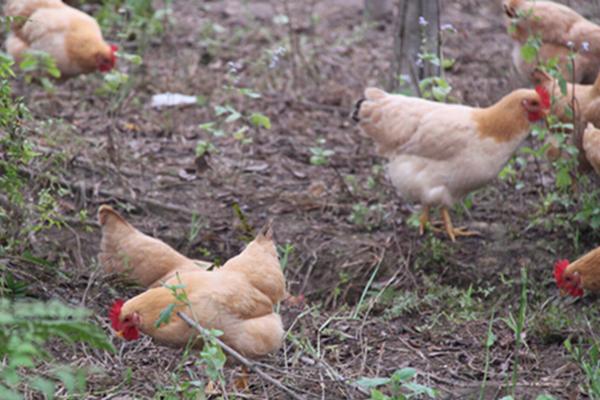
106	212
356	110
266	231
371	94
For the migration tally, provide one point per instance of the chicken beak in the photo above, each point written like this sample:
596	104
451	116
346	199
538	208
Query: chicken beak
120	334
563	292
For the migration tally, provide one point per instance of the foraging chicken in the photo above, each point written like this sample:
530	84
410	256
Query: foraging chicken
237	299
72	38
561	30
582	101
591	146
143	259
440	152
584	273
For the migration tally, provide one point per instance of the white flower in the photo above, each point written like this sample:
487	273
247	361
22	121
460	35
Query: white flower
585	46
234	67
276	56
448	27
423	21
280	51
570	44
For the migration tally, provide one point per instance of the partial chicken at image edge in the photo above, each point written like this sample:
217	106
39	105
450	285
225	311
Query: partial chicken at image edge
562	32
440	152
582	274
237	298
71	37
583	102
591	146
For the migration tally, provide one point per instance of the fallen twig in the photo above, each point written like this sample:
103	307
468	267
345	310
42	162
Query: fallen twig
243	360
336	375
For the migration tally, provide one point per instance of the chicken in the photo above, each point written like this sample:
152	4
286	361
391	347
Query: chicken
582	101
440	152
237	299
72	38
583	274
561	31
144	260
591	146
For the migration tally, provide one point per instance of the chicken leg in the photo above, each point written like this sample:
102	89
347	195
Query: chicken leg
451	230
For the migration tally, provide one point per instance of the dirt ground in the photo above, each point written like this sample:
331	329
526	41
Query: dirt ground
431	301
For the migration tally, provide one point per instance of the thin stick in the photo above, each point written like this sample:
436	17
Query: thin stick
247	363
336	375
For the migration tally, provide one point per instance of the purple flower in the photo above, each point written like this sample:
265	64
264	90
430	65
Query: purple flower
585	46
423	21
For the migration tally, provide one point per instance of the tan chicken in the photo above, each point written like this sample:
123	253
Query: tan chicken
440	152
72	38
143	259
584	100
237	299
561	31
591	146
582	274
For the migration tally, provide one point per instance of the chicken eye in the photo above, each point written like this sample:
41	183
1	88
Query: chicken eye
534	103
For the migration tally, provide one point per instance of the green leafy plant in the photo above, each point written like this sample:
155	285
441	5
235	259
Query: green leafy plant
366	216
319	154
401	385
39	65
589	362
517	324
25	330
573	204
135	20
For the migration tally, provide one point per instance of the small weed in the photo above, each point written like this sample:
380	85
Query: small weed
367	217
39	65
319	154
284	254
25	330
401	385
589	362
517	325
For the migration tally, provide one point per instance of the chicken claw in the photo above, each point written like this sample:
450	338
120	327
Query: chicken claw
451	230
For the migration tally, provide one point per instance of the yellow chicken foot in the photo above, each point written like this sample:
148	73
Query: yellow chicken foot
451	230
425	220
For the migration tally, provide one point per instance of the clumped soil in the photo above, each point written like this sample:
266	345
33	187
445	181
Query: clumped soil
143	162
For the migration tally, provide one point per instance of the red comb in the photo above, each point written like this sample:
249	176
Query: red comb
559	270
544	96
114	314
